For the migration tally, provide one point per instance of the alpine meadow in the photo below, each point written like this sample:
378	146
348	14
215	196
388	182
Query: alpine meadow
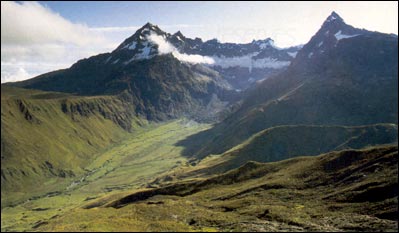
166	131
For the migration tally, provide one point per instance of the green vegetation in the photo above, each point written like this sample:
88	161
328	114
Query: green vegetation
48	139
128	165
354	84
284	142
353	190
105	154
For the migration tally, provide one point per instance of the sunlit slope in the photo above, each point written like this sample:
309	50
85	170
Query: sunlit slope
284	142
148	152
48	138
352	190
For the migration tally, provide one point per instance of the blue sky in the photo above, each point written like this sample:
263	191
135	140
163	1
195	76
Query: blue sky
255	19
42	36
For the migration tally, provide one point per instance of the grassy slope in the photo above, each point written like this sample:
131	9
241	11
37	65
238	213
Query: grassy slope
353	190
284	142
130	164
115	168
43	145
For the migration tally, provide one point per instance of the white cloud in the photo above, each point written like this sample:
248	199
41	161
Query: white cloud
193	58
15	75
248	62
35	40
165	47
31	23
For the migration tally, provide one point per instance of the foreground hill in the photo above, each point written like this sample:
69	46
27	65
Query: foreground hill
323	193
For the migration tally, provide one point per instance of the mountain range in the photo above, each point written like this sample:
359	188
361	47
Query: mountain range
165	124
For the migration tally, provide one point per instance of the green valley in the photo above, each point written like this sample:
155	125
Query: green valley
169	133
129	164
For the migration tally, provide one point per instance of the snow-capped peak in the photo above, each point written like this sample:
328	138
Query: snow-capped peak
333	17
140	37
149	28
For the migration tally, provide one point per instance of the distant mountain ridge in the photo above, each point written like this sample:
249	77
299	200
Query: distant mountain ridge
163	75
240	64
350	79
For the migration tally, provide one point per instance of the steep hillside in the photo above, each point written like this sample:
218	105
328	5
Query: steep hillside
284	142
324	193
131	163
48	138
159	88
343	76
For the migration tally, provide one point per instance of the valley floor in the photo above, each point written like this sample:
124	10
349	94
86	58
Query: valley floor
139	185
129	165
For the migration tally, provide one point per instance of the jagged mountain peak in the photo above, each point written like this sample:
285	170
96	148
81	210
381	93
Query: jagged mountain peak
178	38
149	27
178	33
331	33
334	23
149	24
141	37
333	17
268	42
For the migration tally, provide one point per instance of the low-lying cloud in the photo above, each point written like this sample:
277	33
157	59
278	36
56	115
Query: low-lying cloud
164	47
246	61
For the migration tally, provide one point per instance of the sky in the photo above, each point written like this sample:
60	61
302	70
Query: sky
38	37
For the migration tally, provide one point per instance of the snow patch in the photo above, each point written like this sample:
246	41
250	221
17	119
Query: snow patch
292	54
340	36
109	58
261	80
331	18
116	61
132	46
263	46
320	44
145	52
310	54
